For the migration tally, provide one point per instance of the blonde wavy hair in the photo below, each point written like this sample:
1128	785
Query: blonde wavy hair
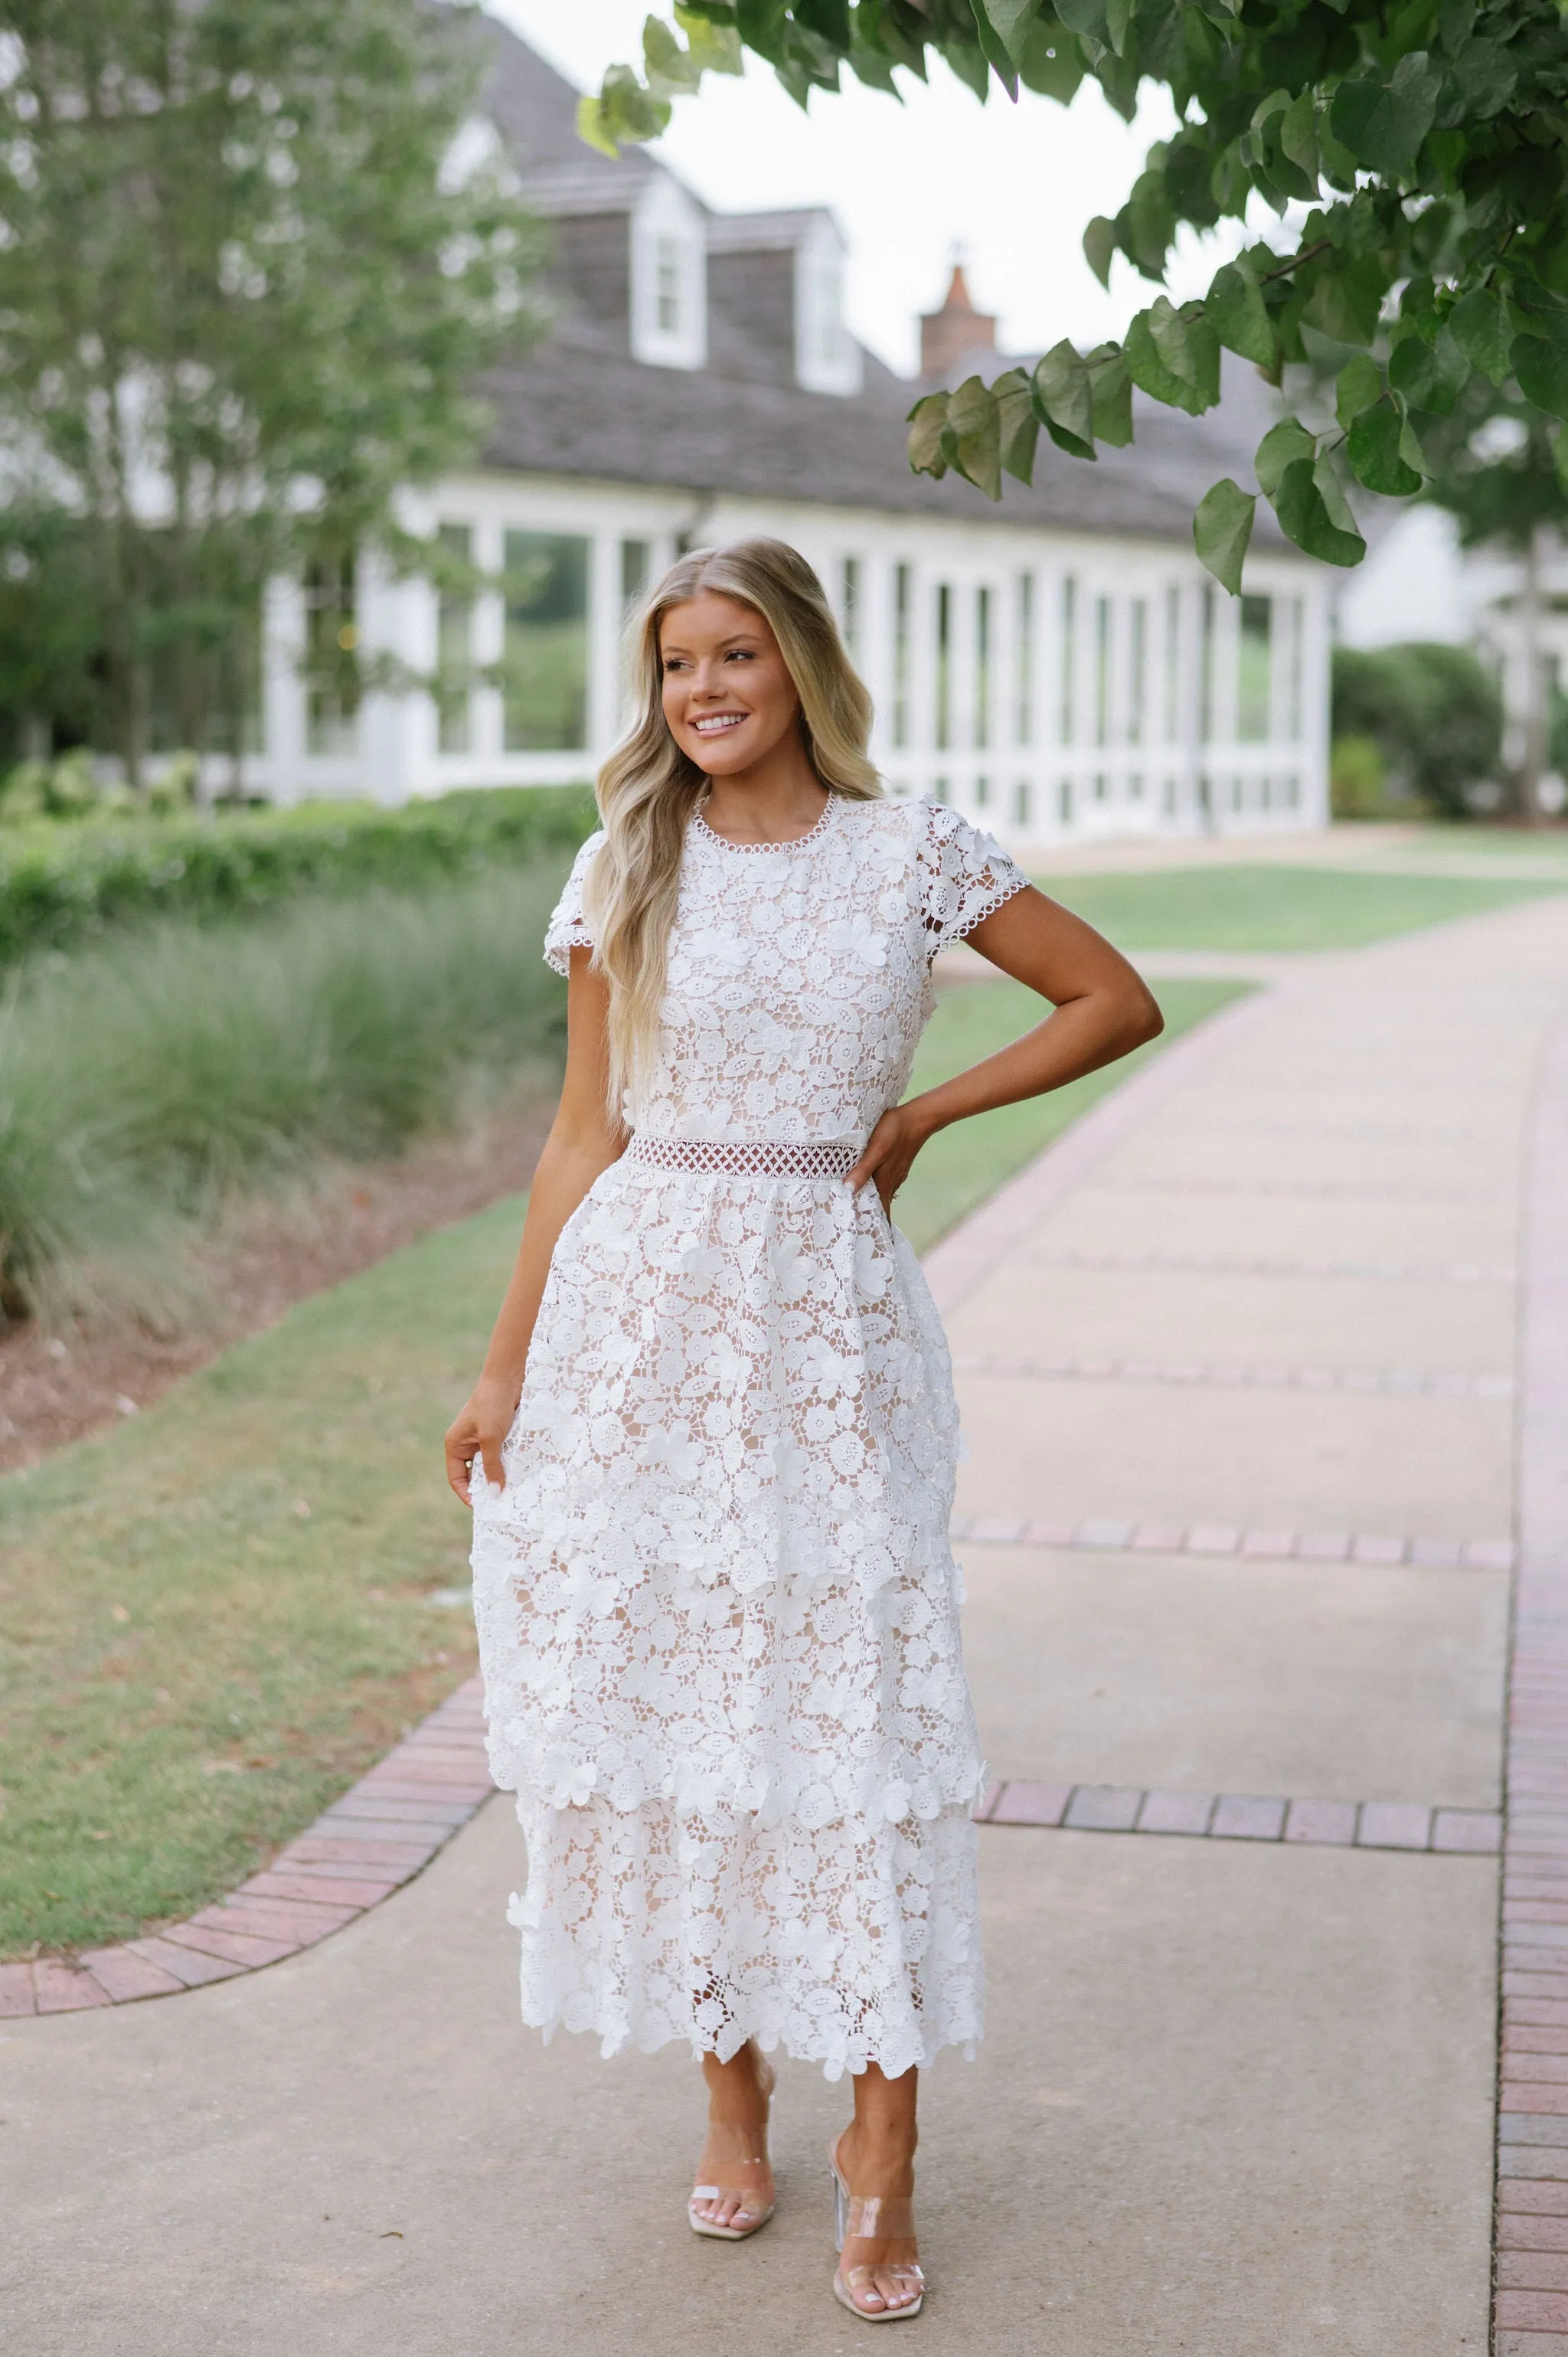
649	788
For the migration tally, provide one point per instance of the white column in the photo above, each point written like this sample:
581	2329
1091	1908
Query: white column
603	646
283	690
488	626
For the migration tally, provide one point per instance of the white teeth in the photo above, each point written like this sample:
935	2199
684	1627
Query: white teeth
710	727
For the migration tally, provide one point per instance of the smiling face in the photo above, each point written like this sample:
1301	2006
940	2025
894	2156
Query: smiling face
728	697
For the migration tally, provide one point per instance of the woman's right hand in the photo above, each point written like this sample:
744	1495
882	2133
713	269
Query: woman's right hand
477	1431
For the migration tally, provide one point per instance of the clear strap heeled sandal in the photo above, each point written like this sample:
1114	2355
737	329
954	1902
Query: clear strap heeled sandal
882	2220
751	2213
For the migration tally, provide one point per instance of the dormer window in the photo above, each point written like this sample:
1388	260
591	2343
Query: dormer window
827	357
668	279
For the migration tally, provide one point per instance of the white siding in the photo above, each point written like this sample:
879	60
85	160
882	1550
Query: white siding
1189	768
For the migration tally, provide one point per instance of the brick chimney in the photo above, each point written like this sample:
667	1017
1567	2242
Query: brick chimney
949	335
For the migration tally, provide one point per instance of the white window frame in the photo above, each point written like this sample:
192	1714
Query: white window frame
827	357
667	228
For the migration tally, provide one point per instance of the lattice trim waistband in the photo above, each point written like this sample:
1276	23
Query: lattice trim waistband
738	1157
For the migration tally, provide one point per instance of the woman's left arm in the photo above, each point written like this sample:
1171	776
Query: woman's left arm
1102	1008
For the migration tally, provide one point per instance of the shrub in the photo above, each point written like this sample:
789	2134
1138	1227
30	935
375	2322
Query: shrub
1356	778
1434	712
59	881
145	1079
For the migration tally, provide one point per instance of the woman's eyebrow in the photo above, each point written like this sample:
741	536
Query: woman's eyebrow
736	639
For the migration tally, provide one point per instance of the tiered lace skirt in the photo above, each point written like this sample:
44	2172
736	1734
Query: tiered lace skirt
718	1620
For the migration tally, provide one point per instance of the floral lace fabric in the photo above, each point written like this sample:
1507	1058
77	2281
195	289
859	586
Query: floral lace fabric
718	1610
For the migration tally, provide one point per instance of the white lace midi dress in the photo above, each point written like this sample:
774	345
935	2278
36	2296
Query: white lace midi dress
717	1610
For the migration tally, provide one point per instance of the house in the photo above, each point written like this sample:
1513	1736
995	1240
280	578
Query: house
1059	664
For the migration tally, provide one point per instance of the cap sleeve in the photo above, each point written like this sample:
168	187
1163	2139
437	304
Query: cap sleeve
567	931
967	875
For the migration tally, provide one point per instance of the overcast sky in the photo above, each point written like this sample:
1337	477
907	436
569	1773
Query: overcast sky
1013	186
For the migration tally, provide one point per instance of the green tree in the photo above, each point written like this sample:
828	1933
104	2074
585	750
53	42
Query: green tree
1434	712
1415	154
246	285
1498	464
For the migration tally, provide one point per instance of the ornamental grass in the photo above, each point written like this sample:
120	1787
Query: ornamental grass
148	1080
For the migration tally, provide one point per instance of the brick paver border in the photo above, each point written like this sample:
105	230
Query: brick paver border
1421	1272
1244	1816
382	1833
1240	1374
1530	2303
1221	1539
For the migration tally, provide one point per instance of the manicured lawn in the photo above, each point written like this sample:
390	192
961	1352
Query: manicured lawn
215	1616
963	1164
1504	839
1267	908
214	1619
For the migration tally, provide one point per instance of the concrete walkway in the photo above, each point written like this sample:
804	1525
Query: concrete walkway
1238	2096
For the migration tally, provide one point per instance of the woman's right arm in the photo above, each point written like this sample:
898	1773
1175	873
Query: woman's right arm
584	1140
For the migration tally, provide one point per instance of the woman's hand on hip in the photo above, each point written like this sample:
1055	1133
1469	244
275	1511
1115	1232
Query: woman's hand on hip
477	1433
891	1150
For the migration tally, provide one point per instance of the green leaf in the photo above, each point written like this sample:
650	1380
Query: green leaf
1146	225
975	429
1331	490
1113	388
1018	428
1282	447
1359	384
1118	18
1011	21
1239	314
829	19
761	27
1087	16
715	47
1487	74
669	69
623	112
1383	124
1099	244
1298	135
1479	323
1430	376
1344	298
1174	357
593	128
995	50
971	64
1052	63
1303	517
1188	346
1221	529
927	419
1372	449
1411	452
1542	372
1064	400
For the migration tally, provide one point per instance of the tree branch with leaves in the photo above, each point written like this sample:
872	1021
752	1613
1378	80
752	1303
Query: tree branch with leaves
1416	154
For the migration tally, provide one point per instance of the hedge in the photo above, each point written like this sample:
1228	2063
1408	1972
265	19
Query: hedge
62	880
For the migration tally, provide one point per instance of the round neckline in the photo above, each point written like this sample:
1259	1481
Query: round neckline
795	843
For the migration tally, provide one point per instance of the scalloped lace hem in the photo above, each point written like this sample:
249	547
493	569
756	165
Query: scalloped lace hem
844	1944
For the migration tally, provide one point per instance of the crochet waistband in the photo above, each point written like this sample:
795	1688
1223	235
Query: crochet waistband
738	1157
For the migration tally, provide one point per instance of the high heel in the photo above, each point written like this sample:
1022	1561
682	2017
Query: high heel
749	2217
875	2217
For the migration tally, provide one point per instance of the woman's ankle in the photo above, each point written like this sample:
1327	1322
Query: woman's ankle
880	2144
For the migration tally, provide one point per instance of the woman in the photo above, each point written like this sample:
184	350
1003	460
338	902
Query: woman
710	1454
